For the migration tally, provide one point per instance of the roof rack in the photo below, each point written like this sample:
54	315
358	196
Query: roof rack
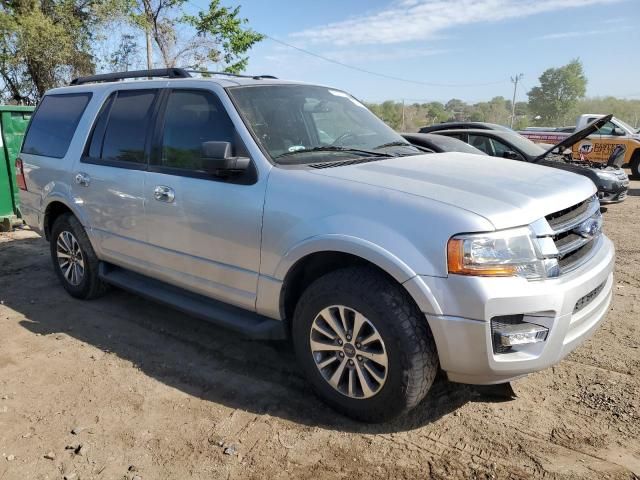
227	74
114	77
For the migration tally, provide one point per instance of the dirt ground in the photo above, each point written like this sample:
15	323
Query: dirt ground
121	388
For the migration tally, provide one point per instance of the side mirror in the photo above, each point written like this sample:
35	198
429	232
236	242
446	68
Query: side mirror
618	132
511	155
217	159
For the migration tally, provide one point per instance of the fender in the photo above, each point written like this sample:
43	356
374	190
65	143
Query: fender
359	247
269	288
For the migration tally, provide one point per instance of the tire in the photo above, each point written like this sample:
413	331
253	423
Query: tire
634	164
406	340
67	234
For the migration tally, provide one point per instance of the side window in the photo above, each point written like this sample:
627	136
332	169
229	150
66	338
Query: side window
191	118
606	129
499	148
54	123
481	143
122	127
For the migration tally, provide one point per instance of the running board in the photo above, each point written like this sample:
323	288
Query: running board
227	316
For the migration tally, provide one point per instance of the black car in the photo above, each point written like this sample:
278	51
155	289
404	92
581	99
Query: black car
465	125
440	143
612	182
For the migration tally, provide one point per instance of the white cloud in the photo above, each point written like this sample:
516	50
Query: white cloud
414	20
581	33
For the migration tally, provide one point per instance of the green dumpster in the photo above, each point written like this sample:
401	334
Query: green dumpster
13	124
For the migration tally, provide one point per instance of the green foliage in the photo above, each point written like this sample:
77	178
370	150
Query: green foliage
217	35
230	39
557	96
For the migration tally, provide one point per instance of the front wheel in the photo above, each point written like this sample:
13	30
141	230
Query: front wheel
365	347
635	165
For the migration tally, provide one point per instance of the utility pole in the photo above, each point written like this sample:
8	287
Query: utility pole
149	59
403	129
515	81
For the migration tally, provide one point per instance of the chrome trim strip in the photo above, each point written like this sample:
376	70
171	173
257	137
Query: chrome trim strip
575	221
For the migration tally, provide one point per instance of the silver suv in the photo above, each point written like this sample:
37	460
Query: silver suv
286	210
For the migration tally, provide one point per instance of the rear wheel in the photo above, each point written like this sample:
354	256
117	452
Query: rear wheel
364	345
74	260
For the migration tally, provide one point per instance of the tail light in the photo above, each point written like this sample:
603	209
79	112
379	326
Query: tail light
22	182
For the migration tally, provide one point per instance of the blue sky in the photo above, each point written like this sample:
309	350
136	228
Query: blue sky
473	45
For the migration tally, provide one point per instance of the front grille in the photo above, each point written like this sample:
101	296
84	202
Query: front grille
573	249
588	298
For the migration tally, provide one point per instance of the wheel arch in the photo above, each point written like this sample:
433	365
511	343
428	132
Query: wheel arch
298	270
56	206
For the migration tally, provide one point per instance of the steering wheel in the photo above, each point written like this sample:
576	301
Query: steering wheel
342	137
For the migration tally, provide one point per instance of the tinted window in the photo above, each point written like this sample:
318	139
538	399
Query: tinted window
191	118
95	145
481	143
128	125
54	124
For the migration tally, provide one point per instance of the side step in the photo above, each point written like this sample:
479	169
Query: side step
227	316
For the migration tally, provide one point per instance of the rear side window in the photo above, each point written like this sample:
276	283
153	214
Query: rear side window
121	130
54	124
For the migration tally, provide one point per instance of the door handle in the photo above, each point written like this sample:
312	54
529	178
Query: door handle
163	193
82	179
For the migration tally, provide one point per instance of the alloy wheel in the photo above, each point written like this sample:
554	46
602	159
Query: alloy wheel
70	258
349	352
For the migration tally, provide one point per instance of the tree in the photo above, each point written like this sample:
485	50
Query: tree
215	35
44	43
558	93
124	56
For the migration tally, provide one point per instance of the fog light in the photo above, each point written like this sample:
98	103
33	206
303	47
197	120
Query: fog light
510	330
521	334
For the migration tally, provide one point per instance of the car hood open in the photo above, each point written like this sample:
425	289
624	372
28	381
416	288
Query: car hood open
576	137
505	192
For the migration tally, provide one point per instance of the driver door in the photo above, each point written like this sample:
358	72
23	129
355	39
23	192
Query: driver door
204	231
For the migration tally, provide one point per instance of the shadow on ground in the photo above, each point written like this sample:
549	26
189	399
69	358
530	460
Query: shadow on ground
191	355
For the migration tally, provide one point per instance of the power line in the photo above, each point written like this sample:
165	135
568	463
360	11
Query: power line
379	74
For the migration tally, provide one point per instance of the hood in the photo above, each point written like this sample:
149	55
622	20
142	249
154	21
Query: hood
576	137
505	192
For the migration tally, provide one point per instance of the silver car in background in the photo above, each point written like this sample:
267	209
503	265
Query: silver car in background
285	210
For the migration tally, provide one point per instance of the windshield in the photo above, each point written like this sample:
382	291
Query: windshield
525	145
304	124
626	126
449	144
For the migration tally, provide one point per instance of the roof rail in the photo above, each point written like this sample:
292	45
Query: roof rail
114	77
227	74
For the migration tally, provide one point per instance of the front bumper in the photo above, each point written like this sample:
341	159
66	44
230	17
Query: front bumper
463	332
615	196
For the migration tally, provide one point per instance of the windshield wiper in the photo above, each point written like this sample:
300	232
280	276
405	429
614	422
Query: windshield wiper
399	143
396	143
333	148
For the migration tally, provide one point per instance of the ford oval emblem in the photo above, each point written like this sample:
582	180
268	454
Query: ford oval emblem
592	227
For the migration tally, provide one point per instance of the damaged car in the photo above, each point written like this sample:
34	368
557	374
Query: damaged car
610	179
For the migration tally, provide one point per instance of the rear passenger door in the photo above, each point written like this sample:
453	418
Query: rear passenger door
109	178
204	231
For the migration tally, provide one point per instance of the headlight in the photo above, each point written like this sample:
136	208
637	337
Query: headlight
506	253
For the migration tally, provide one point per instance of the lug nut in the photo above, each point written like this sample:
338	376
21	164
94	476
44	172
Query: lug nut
349	337
350	362
339	342
359	358
341	354
358	345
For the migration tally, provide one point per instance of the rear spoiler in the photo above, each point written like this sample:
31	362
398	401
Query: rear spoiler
576	137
